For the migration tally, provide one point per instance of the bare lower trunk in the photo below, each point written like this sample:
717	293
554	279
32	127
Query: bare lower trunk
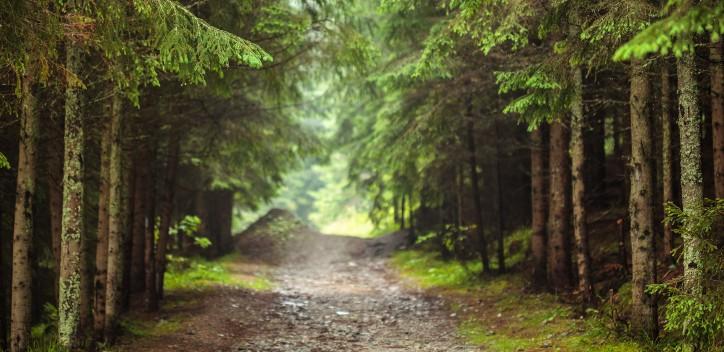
578	196
692	192
21	297
559	257
72	263
166	208
717	114
641	207
55	200
114	272
140	199
667	160
473	164
99	302
150	264
539	206
498	199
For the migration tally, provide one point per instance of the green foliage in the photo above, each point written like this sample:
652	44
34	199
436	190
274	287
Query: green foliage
189	226
543	96
4	163
675	32
697	318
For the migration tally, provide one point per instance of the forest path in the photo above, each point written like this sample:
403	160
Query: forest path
331	293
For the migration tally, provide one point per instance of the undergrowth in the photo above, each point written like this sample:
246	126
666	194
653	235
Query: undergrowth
496	313
199	274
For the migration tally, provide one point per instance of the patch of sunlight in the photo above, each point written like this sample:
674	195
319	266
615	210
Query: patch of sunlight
499	315
199	274
351	224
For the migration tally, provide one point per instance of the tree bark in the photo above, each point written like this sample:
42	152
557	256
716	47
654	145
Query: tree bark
473	164
717	115
578	177
498	199
641	208
667	160
114	272
539	206
559	257
72	262
99	302
166	208
140	199
692	192
21	296
150	264
55	199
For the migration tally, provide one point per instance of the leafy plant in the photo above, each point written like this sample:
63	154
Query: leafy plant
698	319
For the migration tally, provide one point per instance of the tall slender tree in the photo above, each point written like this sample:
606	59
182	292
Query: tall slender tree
539	205
20	314
559	257
71	253
641	203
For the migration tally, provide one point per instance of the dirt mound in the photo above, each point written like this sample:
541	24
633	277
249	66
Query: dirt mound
269	236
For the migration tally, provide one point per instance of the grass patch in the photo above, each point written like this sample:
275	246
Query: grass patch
500	316
150	328
199	274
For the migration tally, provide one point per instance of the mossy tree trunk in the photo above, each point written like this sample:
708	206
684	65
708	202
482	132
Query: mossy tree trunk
114	272
717	114
539	206
166	209
21	301
578	177
692	191
475	185
641	204
71	253
559	214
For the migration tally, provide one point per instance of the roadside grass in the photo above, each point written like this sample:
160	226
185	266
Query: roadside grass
496	313
201	274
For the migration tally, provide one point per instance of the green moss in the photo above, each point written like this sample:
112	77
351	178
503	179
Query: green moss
198	274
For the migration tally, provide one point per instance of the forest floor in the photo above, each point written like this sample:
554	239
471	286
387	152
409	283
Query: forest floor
320	293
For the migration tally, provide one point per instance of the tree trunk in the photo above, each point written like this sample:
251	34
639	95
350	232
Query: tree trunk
559	257
667	160
473	163
692	192
114	272
717	114
99	303
55	199
641	208
166	207
150	264
72	262
21	296
578	196
402	213
539	206
498	199
140	199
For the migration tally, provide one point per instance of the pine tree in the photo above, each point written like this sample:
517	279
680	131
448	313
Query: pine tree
23	225
71	254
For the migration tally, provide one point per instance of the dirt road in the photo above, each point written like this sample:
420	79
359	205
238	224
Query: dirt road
332	293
